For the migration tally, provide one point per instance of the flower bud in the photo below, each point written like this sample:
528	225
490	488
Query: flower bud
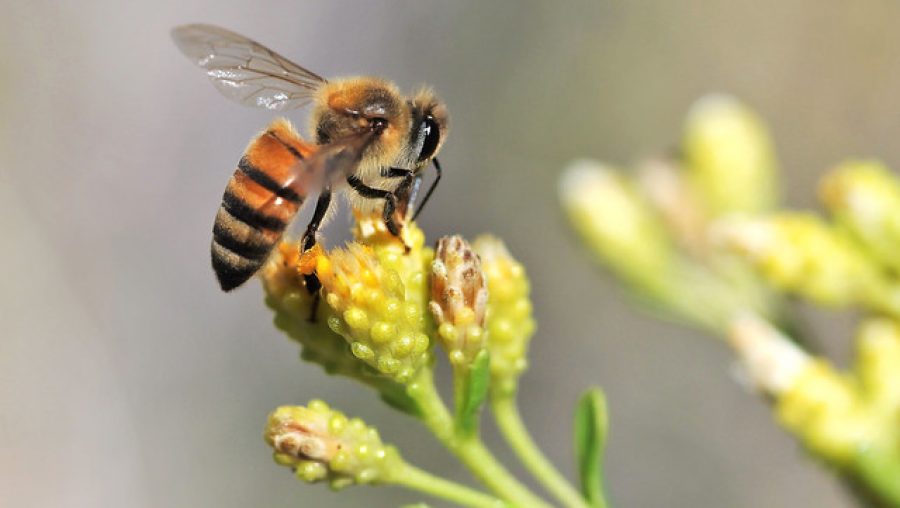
772	361
812	401
321	444
666	188
729	157
878	362
510	322
798	253
615	222
458	299
864	197
823	409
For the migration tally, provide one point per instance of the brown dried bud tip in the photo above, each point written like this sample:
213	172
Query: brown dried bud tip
302	434
458	298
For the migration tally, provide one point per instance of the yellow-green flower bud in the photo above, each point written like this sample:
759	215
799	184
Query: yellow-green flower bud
379	308
878	363
321	444
773	362
510	322
864	196
798	253
458	300
812	401
824	410
729	157
616	222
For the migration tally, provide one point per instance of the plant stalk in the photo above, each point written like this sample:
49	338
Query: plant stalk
470	450
509	420
414	478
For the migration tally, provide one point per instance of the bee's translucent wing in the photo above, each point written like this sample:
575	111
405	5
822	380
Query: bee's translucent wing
245	70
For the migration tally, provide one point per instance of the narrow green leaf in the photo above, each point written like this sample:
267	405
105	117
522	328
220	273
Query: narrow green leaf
472	390
591	427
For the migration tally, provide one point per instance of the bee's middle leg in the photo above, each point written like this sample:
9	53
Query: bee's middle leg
309	241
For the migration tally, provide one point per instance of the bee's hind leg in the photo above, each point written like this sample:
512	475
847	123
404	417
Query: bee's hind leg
313	284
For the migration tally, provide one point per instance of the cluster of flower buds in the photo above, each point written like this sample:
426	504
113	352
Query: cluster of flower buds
300	317
702	229
374	320
383	302
385	329
322	444
653	230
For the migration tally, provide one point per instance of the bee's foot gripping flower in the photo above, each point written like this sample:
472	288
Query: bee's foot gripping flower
322	444
458	299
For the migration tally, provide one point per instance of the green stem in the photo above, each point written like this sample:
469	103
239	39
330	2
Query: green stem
470	450
879	473
506	412
414	478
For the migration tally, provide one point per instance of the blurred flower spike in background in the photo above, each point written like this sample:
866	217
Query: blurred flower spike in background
699	237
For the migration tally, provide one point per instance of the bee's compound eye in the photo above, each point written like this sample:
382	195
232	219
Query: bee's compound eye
432	134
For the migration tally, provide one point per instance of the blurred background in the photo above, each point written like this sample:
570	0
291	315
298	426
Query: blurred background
128	379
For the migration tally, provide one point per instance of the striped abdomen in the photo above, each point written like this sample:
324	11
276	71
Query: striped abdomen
258	204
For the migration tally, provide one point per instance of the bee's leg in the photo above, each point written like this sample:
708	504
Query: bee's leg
437	168
309	240
390	203
402	192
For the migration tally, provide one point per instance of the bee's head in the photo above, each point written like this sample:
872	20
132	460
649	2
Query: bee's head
350	106
429	122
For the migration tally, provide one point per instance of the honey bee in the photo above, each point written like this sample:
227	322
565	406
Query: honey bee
370	140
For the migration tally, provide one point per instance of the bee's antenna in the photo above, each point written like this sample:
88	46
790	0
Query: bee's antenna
437	167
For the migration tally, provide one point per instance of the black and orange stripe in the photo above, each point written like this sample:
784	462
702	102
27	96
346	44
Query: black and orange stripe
258	204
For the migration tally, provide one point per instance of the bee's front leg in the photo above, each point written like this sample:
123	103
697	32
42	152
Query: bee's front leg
390	204
403	191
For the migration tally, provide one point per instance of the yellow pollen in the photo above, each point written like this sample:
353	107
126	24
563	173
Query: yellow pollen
309	259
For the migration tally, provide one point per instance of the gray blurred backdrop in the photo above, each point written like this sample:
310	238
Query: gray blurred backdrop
128	379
